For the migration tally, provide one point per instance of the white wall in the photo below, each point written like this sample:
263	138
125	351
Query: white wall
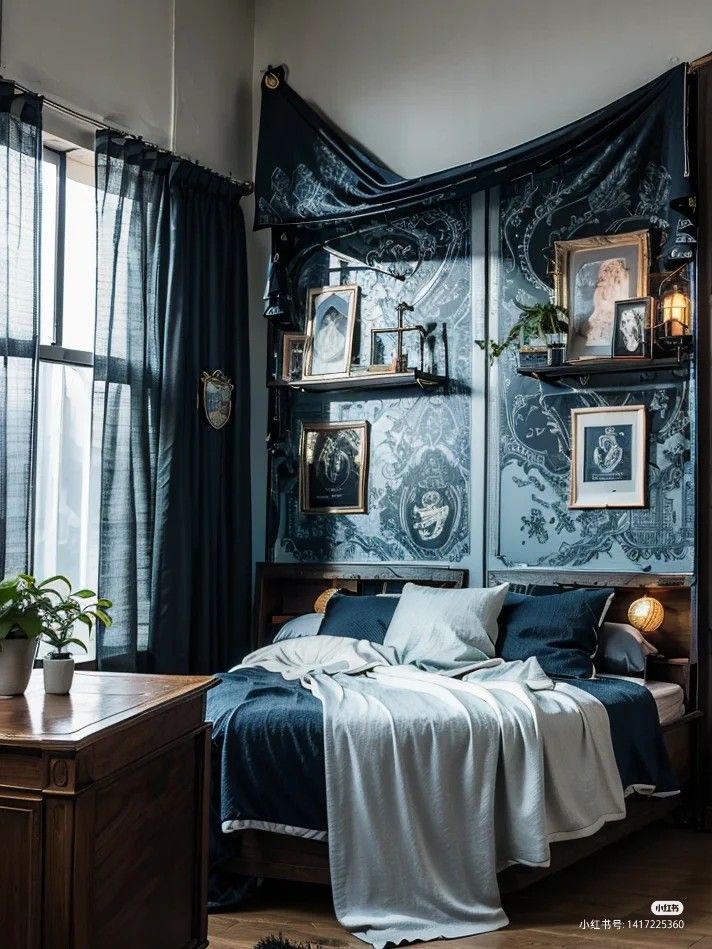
175	71
427	84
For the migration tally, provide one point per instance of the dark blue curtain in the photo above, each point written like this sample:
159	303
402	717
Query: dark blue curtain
174	551
20	170
309	171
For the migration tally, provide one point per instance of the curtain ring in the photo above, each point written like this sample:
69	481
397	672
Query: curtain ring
271	80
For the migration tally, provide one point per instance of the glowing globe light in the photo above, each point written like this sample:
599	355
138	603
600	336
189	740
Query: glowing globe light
646	614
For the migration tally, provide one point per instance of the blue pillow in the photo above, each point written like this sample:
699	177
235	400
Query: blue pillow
359	617
306	625
560	630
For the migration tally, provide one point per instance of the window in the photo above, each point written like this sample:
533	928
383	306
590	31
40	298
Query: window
65	531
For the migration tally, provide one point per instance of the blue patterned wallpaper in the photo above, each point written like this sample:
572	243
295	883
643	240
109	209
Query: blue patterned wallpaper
531	459
419	441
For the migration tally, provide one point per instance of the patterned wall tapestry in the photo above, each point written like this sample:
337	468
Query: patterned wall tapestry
530	470
419	441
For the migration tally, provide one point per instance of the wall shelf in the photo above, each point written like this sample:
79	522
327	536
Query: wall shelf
364	380
596	368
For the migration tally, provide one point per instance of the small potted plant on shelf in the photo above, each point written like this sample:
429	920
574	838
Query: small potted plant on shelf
20	629
61	610
539	335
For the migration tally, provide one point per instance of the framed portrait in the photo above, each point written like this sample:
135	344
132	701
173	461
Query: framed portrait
633	329
293	346
592	275
333	467
609	448
331	317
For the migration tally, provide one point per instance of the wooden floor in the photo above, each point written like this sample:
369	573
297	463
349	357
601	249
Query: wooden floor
659	862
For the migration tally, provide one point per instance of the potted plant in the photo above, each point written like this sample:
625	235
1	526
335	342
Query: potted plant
20	629
60	611
542	323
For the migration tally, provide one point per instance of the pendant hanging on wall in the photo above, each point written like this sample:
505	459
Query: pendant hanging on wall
217	397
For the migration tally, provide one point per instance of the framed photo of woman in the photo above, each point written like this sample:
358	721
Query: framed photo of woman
331	317
333	467
609	463
592	275
633	329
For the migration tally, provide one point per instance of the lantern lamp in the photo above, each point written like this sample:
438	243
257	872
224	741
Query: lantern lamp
646	614
675	306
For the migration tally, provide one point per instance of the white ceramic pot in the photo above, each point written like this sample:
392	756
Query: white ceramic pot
58	674
16	659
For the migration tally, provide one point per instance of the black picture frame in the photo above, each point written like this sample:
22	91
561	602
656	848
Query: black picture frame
333	468
633	329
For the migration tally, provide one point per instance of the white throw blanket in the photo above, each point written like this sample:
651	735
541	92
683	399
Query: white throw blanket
434	783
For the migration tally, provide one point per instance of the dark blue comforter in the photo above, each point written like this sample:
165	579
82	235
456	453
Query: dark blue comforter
268	755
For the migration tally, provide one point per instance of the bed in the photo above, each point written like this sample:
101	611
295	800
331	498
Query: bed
291	844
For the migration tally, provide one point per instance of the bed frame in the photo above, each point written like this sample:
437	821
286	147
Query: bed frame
286	590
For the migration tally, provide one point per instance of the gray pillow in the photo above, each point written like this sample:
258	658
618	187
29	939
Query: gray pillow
439	629
622	650
306	625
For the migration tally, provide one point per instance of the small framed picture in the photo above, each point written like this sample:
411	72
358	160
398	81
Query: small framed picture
609	448
592	275
331	317
333	467
293	345
633	329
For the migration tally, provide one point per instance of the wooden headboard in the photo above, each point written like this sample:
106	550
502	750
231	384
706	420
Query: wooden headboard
285	590
675	639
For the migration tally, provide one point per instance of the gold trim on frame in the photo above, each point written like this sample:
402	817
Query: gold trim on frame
362	506
640	463
287	340
640	240
309	343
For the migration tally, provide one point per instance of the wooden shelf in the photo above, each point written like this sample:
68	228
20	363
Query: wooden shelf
364	380
605	367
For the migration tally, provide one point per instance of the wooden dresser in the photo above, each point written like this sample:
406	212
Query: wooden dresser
104	814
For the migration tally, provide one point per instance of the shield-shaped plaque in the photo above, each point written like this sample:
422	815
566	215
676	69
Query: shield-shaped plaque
217	397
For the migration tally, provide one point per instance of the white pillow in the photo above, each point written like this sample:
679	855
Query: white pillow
306	625
439	629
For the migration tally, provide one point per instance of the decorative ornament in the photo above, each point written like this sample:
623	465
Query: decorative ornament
217	397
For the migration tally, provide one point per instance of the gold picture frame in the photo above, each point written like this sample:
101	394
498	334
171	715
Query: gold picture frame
592	274
290	342
609	457
331	319
333	467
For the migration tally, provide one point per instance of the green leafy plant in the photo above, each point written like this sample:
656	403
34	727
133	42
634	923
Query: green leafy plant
536	322
31	609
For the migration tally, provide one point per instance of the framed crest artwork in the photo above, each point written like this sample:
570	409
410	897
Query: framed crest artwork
293	345
333	467
217	397
609	448
331	317
592	275
633	329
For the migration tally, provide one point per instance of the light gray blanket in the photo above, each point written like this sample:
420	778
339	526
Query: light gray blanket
435	783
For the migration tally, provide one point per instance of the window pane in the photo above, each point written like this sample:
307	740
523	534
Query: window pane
65	537
48	250
79	258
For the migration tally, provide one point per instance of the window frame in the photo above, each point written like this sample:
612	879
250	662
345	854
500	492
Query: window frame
55	352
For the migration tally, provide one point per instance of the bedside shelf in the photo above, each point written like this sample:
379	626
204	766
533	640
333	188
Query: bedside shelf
364	380
595	368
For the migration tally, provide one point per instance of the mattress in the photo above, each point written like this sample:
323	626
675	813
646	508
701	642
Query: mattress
669	697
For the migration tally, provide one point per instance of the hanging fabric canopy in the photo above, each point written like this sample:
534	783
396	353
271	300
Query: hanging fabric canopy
308	172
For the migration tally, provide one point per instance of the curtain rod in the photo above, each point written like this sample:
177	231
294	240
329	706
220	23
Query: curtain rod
247	186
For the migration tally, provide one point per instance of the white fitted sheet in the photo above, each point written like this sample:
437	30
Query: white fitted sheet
669	697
